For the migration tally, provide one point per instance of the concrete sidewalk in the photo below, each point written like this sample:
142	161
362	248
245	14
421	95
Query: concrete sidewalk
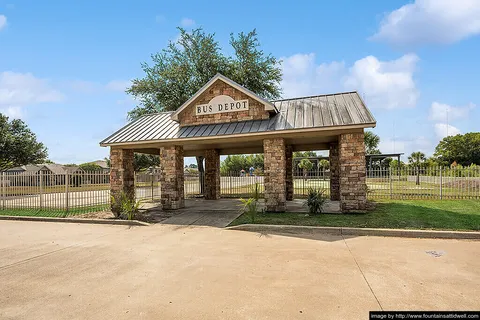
73	271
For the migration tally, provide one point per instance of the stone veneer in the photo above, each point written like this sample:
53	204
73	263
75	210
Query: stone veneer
275	174
289	172
256	109
122	176
172	177
334	172
212	174
353	195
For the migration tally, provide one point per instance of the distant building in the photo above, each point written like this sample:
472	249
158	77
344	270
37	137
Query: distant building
103	164
30	175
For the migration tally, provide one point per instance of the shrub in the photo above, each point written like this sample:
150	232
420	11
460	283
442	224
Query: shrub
123	207
315	200
250	205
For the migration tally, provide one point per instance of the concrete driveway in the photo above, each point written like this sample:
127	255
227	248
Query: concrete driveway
73	271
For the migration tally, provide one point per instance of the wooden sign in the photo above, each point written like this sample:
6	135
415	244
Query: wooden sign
221	104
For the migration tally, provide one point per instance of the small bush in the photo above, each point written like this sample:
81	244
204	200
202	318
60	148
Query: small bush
250	206
315	200
123	207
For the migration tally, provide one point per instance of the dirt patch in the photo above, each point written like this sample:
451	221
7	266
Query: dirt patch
96	215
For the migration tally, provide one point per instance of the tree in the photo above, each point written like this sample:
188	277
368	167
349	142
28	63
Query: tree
304	154
184	66
324	163
144	161
371	143
396	164
235	163
462	149
90	166
18	145
306	165
417	159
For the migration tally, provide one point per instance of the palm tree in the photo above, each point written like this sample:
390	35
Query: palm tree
371	141
417	159
306	165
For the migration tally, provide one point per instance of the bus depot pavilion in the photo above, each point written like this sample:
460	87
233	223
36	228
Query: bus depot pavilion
224	118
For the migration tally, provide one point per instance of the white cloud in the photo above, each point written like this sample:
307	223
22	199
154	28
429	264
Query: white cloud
386	84
187	22
13	112
302	77
430	22
443	130
18	90
442	112
383	84
406	145
3	21
118	85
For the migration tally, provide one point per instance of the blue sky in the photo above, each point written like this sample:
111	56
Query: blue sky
64	65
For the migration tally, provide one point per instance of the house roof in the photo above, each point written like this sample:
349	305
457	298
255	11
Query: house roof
268	105
55	168
101	163
317	112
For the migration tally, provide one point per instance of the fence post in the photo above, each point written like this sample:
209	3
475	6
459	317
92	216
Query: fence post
390	179
4	186
41	190
151	178
67	182
441	184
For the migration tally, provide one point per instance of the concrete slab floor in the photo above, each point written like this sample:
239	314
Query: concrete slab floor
216	213
75	271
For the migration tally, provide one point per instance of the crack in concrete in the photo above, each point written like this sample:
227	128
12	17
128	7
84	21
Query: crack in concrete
363	275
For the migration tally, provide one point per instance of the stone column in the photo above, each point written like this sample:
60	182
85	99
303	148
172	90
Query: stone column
334	172
275	173
289	172
353	195
122	176
212	174
171	177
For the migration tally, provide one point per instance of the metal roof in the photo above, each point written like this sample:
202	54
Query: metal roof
323	111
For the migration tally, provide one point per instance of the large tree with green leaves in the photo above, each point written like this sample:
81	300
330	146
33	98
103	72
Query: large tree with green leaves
233	164
18	144
184	66
463	149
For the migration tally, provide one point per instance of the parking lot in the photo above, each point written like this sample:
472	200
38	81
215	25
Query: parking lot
81	271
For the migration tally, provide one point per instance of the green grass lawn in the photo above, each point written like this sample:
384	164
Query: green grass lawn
48	212
401	214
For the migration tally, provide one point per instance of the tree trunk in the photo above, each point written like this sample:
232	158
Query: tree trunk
418	177
201	173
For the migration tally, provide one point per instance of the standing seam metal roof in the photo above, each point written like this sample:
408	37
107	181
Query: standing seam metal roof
321	111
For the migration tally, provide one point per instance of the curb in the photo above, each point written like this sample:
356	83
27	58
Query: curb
77	220
339	231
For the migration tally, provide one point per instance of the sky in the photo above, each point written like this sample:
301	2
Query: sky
65	65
